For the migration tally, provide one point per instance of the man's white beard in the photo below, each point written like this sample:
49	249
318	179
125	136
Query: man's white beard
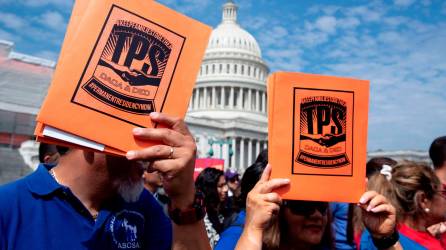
130	190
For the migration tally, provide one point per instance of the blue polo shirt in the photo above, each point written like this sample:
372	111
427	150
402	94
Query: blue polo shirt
38	213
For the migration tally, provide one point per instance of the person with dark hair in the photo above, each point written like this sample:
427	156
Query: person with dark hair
374	165
233	181
437	153
263	157
230	236
420	199
153	182
346	217
212	183
281	225
48	153
91	200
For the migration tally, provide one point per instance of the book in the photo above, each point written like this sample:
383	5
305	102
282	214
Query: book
120	61
318	135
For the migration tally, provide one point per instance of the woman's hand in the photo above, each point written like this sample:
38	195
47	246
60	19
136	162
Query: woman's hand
378	215
262	204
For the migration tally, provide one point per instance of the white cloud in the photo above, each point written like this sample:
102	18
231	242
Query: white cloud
403	3
53	20
394	21
12	21
326	24
187	6
65	4
286	58
372	12
348	22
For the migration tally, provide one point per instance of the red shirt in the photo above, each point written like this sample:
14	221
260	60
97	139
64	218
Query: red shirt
423	238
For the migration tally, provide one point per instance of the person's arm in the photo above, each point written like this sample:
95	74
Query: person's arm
175	160
261	205
379	217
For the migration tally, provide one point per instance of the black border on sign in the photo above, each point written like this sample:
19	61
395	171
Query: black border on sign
292	142
94	49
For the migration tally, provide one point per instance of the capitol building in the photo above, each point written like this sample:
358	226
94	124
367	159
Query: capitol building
228	111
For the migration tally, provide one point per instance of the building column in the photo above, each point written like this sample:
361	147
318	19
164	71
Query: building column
257	108
249	100
234	150
257	148
240	98
249	151
242	153
231	98
200	98
214	98
226	156
263	102
222	97
205	96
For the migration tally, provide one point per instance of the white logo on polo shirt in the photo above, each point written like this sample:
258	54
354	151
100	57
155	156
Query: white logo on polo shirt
127	228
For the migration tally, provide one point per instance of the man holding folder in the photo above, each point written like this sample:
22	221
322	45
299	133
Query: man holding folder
96	201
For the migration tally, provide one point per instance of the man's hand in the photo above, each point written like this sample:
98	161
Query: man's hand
174	158
378	215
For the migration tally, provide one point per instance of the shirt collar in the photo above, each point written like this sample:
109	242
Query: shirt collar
41	182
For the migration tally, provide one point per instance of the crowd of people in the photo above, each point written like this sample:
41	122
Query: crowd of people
404	208
79	199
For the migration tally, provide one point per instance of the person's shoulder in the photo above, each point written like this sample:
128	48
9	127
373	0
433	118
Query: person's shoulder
408	243
12	189
148	200
366	242
151	207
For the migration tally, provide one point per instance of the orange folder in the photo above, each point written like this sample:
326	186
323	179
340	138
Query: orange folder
121	60
318	135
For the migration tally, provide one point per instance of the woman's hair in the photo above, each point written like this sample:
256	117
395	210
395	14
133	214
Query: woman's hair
249	180
375	165
408	181
207	182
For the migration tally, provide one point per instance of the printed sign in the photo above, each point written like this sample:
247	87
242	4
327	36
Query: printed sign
317	132
120	61
320	127
131	67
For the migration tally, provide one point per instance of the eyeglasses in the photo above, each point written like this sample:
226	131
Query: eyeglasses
306	208
234	180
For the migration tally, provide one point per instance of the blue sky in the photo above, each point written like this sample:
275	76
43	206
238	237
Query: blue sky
399	45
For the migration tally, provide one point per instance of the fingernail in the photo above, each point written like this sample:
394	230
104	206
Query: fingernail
154	115
286	181
362	200
369	208
137	131
130	155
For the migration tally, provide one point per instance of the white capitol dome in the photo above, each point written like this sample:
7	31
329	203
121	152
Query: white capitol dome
230	37
232	79
227	112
